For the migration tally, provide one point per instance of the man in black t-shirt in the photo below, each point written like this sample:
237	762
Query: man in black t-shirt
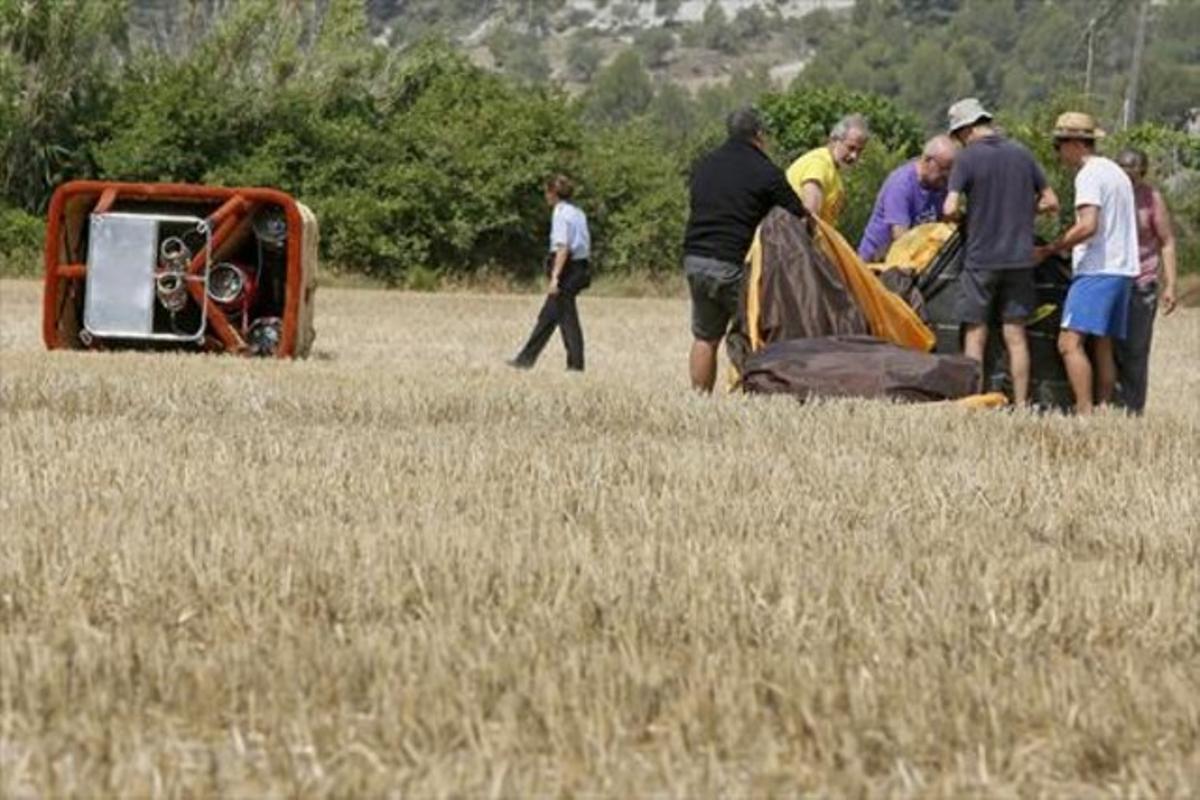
1005	190
732	190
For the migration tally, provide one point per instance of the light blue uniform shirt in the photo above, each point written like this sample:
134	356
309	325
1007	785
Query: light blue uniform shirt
568	226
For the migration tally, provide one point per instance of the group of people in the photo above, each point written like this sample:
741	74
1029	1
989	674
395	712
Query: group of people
1121	243
1120	237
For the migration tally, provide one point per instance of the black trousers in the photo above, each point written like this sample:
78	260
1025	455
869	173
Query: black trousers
1133	352
560	311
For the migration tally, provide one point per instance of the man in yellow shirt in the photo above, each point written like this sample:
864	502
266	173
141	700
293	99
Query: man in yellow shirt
816	175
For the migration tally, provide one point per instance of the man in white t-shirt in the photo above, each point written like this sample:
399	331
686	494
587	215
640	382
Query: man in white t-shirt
1104	254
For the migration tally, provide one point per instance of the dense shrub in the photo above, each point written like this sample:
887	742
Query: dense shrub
454	178
21	238
57	69
620	92
636	196
20	230
425	163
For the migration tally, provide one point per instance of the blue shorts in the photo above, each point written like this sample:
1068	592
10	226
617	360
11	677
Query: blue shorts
1098	305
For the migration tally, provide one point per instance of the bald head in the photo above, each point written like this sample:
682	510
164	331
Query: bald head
936	161
941	146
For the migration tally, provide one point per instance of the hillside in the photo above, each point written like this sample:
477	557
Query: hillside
690	42
567	16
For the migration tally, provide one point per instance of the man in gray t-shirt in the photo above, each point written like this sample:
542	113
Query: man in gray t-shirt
1005	189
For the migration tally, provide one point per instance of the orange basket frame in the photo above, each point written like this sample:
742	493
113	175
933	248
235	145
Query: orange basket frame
235	208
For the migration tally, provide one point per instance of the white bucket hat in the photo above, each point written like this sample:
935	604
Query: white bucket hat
967	112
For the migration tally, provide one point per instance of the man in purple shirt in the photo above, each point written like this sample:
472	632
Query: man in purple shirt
911	195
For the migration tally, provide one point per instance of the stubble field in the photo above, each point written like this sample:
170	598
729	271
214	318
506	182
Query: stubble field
399	568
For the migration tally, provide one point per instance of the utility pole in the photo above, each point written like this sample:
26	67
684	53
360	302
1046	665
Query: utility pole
1091	53
1135	70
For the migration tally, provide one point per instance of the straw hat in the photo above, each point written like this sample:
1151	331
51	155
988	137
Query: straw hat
1077	125
967	112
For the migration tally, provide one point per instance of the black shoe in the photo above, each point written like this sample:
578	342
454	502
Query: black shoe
517	363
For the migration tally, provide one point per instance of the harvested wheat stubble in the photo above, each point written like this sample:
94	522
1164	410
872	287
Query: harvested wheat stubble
401	568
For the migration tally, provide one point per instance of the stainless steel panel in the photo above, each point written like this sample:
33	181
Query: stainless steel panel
122	253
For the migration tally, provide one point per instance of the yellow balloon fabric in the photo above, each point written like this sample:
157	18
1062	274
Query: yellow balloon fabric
917	247
889	317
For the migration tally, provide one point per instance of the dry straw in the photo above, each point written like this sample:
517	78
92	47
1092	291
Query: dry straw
400	568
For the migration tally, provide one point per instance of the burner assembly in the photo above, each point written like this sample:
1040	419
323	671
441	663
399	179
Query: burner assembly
154	266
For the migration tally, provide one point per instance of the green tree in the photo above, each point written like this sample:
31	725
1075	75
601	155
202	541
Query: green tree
175	118
932	78
1170	84
674	113
583	57
750	24
58	64
519	54
636	197
994	21
667	8
1018	54
743	88
813	28
620	92
932	12
713	31
654	45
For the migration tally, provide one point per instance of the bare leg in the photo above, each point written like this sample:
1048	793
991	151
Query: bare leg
1106	369
1017	345
974	344
1079	369
703	364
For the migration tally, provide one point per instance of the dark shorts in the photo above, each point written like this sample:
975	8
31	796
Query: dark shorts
716	289
981	292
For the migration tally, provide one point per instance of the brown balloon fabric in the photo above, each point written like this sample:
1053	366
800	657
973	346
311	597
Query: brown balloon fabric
858	366
795	289
806	284
890	318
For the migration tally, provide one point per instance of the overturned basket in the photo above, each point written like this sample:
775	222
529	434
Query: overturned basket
152	266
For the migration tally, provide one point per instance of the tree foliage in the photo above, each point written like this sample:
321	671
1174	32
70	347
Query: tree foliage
1014	54
58	64
714	31
420	163
620	92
